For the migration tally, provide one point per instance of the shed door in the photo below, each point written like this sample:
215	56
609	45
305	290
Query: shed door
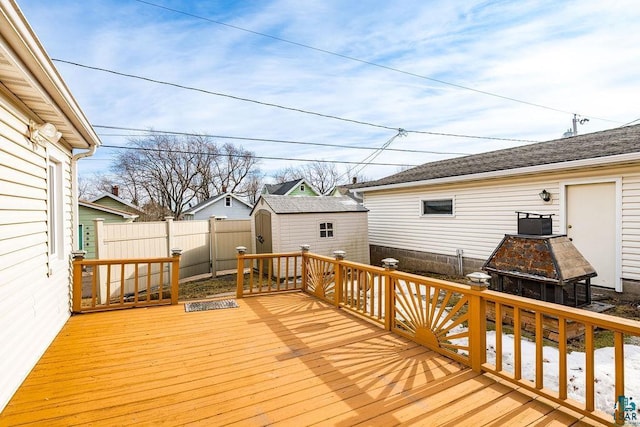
263	232
591	225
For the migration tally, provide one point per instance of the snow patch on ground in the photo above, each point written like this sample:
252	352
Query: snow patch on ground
576	362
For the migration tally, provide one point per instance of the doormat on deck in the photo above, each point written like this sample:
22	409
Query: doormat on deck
210	305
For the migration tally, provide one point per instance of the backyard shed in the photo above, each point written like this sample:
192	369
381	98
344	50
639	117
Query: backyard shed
283	223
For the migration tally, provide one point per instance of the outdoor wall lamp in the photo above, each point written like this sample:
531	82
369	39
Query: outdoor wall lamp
545	195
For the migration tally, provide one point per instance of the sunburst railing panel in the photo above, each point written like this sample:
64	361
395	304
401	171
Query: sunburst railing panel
321	277
431	314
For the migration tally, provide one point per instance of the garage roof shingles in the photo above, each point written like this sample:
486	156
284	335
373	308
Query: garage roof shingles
623	140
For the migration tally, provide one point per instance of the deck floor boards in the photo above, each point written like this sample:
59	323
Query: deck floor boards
284	359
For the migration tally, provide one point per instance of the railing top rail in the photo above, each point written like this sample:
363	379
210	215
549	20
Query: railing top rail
348	263
603	320
123	261
267	256
444	284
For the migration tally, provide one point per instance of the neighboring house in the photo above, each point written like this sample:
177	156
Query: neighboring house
41	127
88	212
113	200
427	215
283	223
297	187
344	190
226	205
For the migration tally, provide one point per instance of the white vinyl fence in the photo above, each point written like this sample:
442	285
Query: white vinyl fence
208	247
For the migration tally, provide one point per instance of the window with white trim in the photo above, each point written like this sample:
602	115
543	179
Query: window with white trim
227	201
326	230
440	207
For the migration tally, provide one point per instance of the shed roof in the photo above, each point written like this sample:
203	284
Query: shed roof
310	204
559	152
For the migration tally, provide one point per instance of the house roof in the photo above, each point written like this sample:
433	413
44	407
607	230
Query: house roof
284	188
310	204
106	209
556	154
30	75
117	199
203	204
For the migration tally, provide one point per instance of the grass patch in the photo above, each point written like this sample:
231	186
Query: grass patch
207	288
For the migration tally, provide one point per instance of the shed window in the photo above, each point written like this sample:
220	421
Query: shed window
326	229
227	201
437	207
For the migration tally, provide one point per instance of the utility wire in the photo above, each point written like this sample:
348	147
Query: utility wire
159	150
299	110
280	141
374	64
630	123
369	159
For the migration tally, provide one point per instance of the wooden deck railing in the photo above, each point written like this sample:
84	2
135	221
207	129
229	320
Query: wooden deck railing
454	319
100	284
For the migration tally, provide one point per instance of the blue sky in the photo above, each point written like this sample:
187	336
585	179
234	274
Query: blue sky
565	56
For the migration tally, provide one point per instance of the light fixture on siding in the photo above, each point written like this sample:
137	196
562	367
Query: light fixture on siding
41	134
545	195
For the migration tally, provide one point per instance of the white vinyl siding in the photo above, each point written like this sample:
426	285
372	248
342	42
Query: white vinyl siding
631	227
485	212
35	304
480	221
292	230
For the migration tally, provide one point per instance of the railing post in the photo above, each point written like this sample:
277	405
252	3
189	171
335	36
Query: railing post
389	264
337	280
175	275
241	250
305	259
76	289
477	325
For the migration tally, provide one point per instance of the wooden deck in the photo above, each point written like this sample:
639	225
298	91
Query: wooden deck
285	359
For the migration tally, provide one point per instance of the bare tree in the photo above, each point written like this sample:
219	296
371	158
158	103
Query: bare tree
169	174
321	175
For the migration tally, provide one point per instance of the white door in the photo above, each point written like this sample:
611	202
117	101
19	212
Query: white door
591	225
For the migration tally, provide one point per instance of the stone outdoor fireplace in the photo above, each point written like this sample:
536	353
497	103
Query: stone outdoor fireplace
543	266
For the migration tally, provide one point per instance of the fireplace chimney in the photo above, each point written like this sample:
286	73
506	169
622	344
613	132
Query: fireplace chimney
115	190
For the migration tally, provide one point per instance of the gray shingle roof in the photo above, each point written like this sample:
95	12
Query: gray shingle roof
282	188
606	143
310	204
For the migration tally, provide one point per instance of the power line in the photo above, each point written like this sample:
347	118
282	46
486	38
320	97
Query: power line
373	64
159	150
280	141
299	110
369	159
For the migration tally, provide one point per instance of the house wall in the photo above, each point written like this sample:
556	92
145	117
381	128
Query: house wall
86	217
34	287
307	191
237	210
484	213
